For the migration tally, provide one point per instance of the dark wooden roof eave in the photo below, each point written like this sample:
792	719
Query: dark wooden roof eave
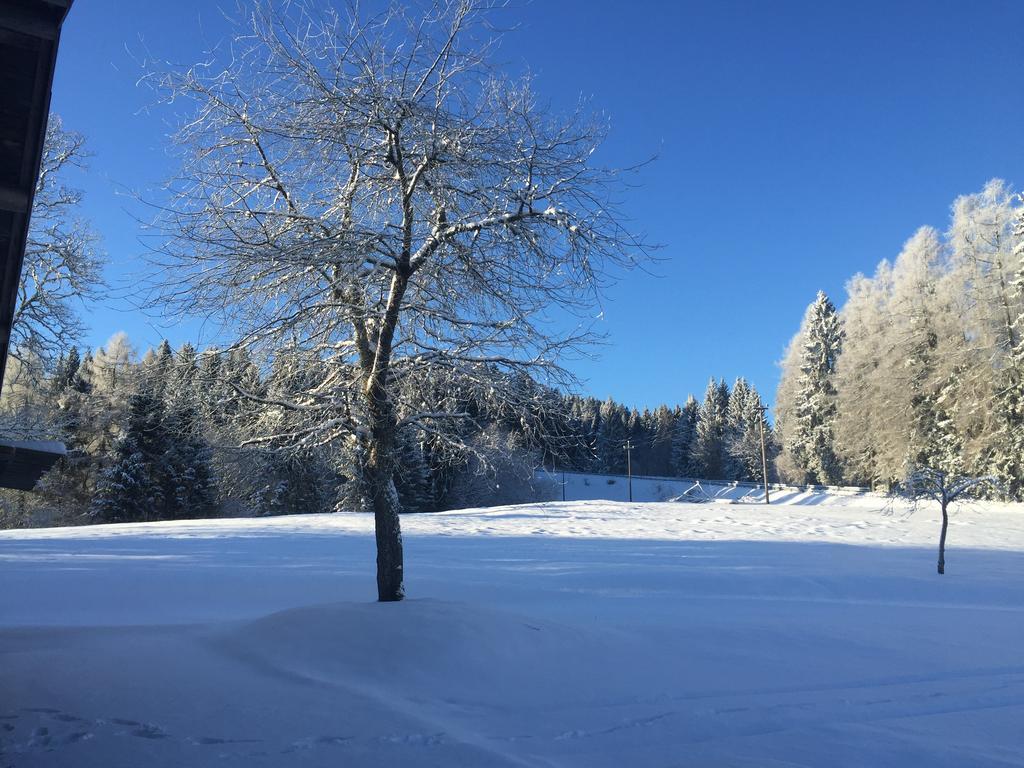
29	36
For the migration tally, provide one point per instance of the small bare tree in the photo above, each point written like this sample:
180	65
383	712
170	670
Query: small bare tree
372	189
944	488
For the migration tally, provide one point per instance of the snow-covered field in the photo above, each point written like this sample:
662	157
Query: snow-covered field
563	634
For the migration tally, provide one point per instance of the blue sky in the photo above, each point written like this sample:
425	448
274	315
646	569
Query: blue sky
797	143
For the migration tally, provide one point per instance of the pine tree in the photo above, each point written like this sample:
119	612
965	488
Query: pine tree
745	420
736	419
291	479
638	435
412	479
811	435
185	469
65	374
684	438
130	489
158	369
84	380
183	379
586	416
663	428
126	493
709	454
612	435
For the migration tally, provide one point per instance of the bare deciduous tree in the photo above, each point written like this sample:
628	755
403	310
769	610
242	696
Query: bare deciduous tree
62	266
944	488
376	191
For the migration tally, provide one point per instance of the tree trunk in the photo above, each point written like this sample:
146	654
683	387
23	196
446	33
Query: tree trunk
387	526
942	538
380	473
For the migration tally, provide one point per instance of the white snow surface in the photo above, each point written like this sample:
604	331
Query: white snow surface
810	633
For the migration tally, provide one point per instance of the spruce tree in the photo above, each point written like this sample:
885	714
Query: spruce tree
663	427
612	434
684	438
158	369
746	421
131	489
292	478
66	372
185	470
412	479
183	383
709	452
810	435
736	423
292	482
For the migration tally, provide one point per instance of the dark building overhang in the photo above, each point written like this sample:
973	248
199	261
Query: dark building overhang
23	462
29	34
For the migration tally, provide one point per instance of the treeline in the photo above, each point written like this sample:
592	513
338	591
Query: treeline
718	438
191	434
183	434
923	366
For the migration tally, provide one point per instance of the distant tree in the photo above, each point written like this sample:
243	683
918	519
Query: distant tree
1007	458
745	422
291	482
810	424
943	488
185	469
662	429
611	439
130	489
183	378
412	475
66	371
500	470
709	451
684	439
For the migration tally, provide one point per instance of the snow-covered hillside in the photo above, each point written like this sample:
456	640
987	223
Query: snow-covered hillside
561	634
591	486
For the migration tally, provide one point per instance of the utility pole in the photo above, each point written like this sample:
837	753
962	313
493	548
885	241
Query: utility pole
629	465
764	453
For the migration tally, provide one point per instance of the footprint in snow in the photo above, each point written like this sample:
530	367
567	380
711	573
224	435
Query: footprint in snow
40	737
214	740
150	732
122	721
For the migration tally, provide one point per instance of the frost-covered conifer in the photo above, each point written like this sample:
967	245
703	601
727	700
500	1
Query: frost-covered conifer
662	427
744	422
1007	460
185	469
611	439
709	452
412	477
131	488
684	438
810	429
